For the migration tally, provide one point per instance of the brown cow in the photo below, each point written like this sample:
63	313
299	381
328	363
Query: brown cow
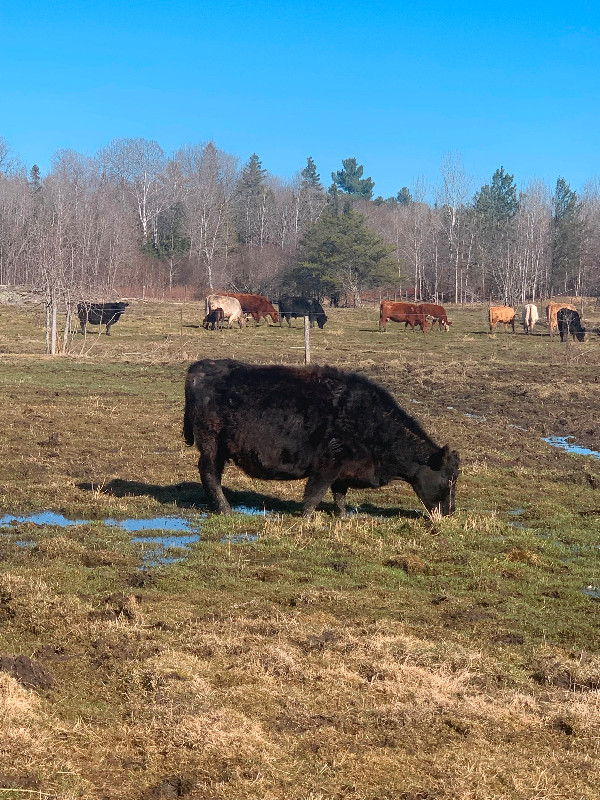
504	314
409	313
438	313
255	304
552	310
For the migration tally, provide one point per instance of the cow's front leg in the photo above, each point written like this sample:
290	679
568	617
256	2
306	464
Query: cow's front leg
339	489
211	466
315	489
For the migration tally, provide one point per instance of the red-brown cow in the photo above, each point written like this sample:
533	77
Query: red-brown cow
504	314
255	304
437	312
409	313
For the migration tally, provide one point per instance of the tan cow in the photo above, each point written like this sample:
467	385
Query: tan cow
232	309
409	313
504	314
552	310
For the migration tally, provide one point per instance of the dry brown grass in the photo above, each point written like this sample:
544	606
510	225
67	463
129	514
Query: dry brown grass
389	656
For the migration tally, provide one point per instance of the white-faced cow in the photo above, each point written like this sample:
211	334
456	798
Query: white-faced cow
337	429
99	314
437	314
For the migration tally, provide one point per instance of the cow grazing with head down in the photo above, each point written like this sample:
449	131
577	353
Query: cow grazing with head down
569	322
256	305
293	307
232	310
409	313
214	320
99	314
338	429
530	317
437	313
504	314
552	310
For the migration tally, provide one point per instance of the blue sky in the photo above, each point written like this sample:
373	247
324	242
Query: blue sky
394	84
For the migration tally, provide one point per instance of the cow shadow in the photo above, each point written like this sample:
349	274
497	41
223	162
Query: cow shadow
191	495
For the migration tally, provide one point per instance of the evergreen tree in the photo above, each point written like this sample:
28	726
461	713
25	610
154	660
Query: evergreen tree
498	202
252	204
339	253
404	197
35	180
350	180
495	207
169	243
566	238
310	177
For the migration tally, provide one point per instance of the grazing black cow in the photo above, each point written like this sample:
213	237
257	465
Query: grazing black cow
99	314
214	320
301	307
569	322
338	429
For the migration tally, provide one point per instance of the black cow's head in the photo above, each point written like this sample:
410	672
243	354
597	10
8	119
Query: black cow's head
316	310
435	481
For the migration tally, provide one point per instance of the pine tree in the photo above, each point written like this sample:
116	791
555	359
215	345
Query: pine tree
566	238
404	197
340	254
498	202
350	179
252	205
310	177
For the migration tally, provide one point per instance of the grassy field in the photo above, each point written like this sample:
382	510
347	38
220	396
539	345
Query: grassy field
383	656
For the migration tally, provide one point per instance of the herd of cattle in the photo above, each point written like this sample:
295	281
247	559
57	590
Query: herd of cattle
232	307
561	316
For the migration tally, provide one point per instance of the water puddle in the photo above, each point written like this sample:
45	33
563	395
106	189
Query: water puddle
239	538
176	533
42	518
592	591
158	551
564	444
169	524
153	524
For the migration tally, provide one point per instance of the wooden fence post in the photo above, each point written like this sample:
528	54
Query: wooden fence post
306	341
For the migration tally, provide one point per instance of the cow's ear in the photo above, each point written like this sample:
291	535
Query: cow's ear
436	460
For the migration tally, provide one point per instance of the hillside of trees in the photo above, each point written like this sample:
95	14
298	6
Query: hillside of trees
133	216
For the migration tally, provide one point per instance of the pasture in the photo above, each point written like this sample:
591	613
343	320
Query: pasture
382	656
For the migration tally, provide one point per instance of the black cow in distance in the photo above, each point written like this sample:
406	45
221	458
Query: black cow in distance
569	322
301	307
99	314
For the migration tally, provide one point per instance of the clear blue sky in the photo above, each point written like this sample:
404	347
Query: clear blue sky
393	84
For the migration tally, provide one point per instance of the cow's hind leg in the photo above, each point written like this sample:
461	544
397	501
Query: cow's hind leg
339	489
211	466
315	489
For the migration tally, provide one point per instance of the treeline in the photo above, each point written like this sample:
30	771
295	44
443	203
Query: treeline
133	216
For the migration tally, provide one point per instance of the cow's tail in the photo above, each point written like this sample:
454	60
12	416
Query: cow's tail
188	416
